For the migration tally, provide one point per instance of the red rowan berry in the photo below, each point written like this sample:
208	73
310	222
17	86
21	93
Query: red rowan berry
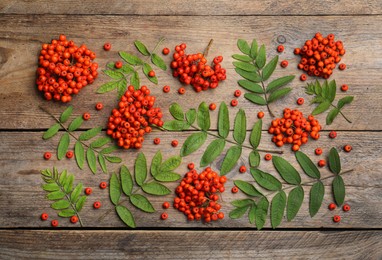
164	216
181	91
174	143
99	106
97	205
118	64
333	134
44	216
234	102
268	157
47	155
107	46
166	89
280	48
237	93
234	189
260	115
88	191
321	163
284	63
191	166
347	148
303	77
151	73
54	223
212	106
342	66
157	141
332	206
336	218
242	169
166	205
344	88
74	219
166	51
86	116
300	101
346	207
318	151
103	185
69	154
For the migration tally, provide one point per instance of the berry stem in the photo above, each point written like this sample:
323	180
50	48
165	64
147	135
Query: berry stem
206	50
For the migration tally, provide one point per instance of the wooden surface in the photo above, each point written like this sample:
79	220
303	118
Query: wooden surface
25	25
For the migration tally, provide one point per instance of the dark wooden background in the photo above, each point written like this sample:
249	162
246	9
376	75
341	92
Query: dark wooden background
25	25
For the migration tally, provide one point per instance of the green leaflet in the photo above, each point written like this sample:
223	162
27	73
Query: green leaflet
252	76
316	196
80	203
89	134
67	213
176	111
245	66
295	199
113	74
155	163
252	214
261	57
63	145
167	176
286	170
109	149
255	137
109	86
238	212
122	87
60	204
232	156
242	202
334	161
277	208
76	193
307	165
223	120
155	188
254	159
75	124
102	163
240	127
100	142
141	48
55	195
247	188
125	215
66	114
158	61
170	164
243	46
240	57
261	212
140	169
52	131
338	190
134	80
146	68
193	143
331	90
266	180
68	186
115	189
213	150
279	82
113	159
50	187
250	86
332	115
321	108
270	68
203	116
142	203
126	180
343	101
176	125
131	59
254	98
191	116
92	160
277	94
254	47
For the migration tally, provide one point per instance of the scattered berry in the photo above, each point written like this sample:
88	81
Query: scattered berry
318	151
181	91
280	48
191	166
88	191
347	148
118	64
242	169
344	88
303	77
74	219
99	106
47	155
300	101
234	102
332	206
342	66
151	73
336	218
97	205
164	216
237	93
103	185
321	163
166	51
86	116
212	106
69	154
54	223
166	205
346	207
166	89
260	115
44	216
284	64
157	141
174	143
333	134
234	189
268	157
107	46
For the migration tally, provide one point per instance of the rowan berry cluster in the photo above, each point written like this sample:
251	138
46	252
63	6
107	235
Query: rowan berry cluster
130	121
64	69
320	55
294	129
197	195
192	69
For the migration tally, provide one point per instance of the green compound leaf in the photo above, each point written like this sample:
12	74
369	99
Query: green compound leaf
92	160
176	111
255	137
126	180
142	203
223	120
338	190
193	143
115	189
270	68
316	196
203	116
141	48
247	188
63	145
307	165
125	215
277	208
213	150
286	170
155	188
140	169
66	114
232	156
75	124
52	131
295	199
89	134
334	161
240	127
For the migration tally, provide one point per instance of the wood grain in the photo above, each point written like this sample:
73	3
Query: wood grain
197	8
23	199
25	244
18	64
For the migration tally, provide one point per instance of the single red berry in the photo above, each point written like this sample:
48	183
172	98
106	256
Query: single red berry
333	134
164	216
336	218
166	89
174	143
242	169
44	216
212	106
318	151
181	91
321	163
118	64
220	215
300	101
99	106
151	73
332	206
107	46
69	154
157	140
303	77
348	148
165	51
103	185
47	155
191	166
280	48
342	66
166	205
86	116
235	189
88	191
237	93
234	102
346	207
260	115
74	219
344	88
284	64
97	205
54	223
268	157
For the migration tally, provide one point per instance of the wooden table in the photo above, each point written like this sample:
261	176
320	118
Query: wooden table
25	25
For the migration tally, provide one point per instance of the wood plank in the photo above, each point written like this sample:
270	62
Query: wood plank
21	195
197	8
25	244
22	36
